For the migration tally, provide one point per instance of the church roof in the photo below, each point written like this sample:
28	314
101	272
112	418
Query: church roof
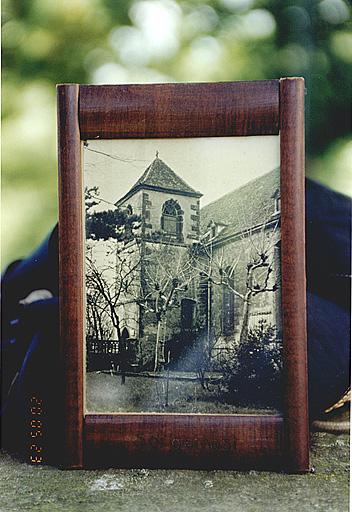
244	207
159	176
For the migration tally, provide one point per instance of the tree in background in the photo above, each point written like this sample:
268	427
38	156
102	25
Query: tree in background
168	273
108	281
111	277
119	224
246	270
91	198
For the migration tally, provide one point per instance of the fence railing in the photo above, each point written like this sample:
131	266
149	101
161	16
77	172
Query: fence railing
102	346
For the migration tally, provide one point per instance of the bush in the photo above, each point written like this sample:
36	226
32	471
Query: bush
252	377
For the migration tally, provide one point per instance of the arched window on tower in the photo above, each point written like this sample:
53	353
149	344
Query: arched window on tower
171	219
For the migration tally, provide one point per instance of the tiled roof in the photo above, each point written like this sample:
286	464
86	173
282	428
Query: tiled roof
158	175
244	207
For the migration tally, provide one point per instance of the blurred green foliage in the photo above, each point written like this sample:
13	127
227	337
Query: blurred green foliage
110	41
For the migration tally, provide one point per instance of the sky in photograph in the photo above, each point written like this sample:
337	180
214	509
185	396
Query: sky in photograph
213	166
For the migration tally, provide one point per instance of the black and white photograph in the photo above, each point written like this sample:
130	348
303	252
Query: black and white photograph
182	275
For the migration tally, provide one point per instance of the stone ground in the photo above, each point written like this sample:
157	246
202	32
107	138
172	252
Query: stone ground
47	489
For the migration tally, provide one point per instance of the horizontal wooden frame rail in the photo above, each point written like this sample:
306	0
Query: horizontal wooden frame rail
179	110
134	440
184	110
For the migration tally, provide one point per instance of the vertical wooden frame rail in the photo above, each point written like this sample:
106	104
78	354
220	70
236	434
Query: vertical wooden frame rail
293	272
71	272
168	111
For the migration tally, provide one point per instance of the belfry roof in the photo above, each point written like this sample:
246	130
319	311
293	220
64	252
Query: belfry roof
159	176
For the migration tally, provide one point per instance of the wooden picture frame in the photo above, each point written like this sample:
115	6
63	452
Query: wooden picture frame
238	109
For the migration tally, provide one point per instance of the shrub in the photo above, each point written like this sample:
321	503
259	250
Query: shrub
252	376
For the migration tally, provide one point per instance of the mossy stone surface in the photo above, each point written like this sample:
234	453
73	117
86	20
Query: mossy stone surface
46	489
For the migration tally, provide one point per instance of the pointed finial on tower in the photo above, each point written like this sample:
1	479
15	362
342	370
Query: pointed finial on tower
157	154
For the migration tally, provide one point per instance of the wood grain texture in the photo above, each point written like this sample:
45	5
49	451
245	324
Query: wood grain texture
197	441
179	110
293	273
71	272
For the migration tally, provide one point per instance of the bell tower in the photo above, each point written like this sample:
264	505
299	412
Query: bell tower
169	207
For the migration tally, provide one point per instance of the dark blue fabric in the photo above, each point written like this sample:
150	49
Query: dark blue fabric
328	352
31	368
328	249
30	349
37	271
328	244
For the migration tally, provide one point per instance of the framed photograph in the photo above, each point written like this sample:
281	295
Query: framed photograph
182	275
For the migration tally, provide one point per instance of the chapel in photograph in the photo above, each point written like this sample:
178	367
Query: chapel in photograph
206	299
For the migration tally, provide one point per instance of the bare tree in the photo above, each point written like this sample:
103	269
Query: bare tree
110	268
168	273
109	280
98	325
252	258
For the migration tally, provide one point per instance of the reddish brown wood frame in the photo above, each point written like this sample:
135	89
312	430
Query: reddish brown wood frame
166	111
